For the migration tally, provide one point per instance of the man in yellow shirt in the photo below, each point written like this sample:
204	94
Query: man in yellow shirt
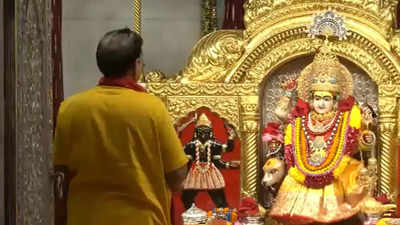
119	145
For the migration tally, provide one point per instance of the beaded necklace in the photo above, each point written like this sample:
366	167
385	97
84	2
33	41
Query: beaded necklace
200	147
316	130
317	176
317	146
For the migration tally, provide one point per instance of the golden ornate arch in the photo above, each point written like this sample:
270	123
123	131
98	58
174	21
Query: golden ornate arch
293	43
226	68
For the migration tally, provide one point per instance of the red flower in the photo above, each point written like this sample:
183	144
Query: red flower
383	198
301	109
289	85
352	140
272	129
271	132
346	104
248	206
289	156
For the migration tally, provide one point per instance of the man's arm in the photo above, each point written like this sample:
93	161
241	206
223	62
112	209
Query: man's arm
61	176
173	155
61	193
175	178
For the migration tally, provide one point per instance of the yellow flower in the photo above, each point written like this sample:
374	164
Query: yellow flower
355	117
341	167
297	175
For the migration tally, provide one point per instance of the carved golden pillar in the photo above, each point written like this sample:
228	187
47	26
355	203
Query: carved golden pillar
137	7
249	126
387	133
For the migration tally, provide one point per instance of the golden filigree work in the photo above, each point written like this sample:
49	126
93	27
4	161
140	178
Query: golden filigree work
250	126
389	90
226	107
275	51
202	89
387	106
159	77
213	56
395	43
249	105
261	13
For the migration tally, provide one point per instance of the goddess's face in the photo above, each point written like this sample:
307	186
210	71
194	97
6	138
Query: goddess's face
204	133
323	102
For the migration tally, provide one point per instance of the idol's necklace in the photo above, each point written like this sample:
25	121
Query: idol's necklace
200	147
318	145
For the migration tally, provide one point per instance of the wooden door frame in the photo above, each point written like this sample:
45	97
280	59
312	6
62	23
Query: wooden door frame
13	184
9	112
2	108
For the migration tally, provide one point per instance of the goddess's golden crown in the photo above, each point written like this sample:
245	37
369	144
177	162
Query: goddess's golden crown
203	121
326	71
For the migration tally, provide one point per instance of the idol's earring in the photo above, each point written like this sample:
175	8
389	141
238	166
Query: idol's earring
336	105
195	135
211	135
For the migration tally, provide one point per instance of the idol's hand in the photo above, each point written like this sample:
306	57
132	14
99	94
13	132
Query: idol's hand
231	132
235	164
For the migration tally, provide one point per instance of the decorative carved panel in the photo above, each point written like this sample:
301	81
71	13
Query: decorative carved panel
29	93
226	107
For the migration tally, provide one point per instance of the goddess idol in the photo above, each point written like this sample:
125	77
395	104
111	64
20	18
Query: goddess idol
205	155
321	138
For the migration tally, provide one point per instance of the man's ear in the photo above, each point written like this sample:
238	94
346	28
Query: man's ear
138	69
138	62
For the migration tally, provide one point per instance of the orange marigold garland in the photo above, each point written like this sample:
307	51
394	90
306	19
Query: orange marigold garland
338	157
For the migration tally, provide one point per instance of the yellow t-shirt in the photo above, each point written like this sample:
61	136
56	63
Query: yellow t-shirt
120	143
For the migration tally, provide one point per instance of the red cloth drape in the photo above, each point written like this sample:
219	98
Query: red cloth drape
232	177
234	13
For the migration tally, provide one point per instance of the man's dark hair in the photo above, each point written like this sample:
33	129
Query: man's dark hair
117	52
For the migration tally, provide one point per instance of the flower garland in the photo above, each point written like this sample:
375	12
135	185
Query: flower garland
338	152
331	139
301	148
199	147
328	127
289	156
